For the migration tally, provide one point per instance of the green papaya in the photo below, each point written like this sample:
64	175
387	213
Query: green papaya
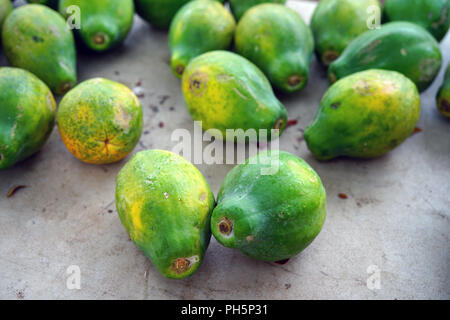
398	46
159	13
364	115
36	38
443	95
50	3
27	115
433	15
239	7
5	8
277	40
165	204
270	208
198	27
104	23
335	23
226	91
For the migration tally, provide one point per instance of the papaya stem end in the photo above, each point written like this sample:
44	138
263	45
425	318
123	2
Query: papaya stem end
294	80
181	265
225	226
99	38
179	69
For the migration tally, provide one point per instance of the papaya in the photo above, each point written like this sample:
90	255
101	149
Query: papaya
270	215
159	13
36	38
364	115
104	23
335	23
165	205
50	3
398	46
5	8
239	7
198	27
100	121
443	95
27	115
433	15
226	91
277	40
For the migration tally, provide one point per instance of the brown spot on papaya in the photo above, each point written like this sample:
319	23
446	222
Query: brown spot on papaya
279	124
203	196
362	87
181	265
66	86
225	226
179	69
198	83
99	38
335	105
329	56
295	80
123	118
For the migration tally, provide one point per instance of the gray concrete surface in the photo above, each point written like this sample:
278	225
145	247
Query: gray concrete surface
395	220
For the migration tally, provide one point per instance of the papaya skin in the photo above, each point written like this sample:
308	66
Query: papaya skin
335	23
100	121
27	115
36	38
277	40
433	15
104	24
165	205
398	46
239	7
443	95
159	13
198	27
5	9
270	217
364	115
226	91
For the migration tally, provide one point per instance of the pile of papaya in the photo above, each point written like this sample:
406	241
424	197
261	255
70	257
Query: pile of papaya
235	59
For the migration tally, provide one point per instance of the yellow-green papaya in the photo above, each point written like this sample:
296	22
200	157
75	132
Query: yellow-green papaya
443	95
159	13
37	39
165	204
433	15
271	207
226	91
335	23
198	27
100	121
104	23
277	40
27	115
364	115
398	46
239	7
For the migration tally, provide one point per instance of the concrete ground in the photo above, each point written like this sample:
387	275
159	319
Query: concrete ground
392	230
